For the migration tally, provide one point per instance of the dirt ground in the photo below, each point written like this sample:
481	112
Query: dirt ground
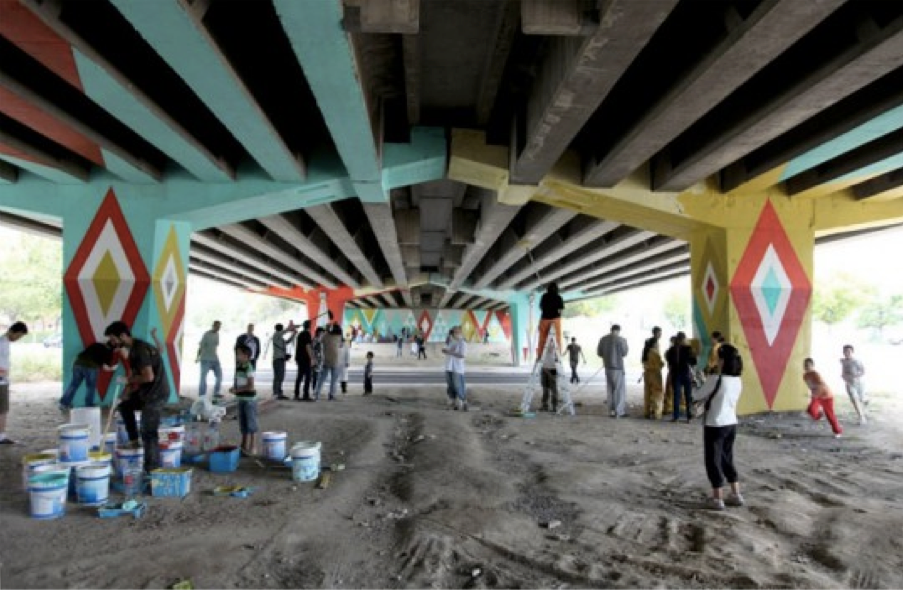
432	498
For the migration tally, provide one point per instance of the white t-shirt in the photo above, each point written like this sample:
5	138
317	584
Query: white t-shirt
4	358
723	410
454	363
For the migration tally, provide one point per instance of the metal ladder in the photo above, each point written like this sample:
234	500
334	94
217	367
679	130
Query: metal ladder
565	403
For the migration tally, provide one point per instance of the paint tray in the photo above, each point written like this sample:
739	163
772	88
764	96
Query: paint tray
112	510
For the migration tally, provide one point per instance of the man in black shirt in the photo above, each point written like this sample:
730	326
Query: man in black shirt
86	368
304	356
681	360
146	390
550	304
252	342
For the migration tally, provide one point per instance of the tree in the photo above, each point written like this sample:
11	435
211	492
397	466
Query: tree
834	304
677	310
590	307
880	313
30	287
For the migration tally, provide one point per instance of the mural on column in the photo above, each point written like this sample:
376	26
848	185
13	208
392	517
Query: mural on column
106	279
709	297
771	291
169	294
434	322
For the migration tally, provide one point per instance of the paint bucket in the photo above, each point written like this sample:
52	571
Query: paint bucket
132	481
170	455
194	438
109	443
47	495
93	483
55	452
129	459
73	442
91	417
305	461
274	445
33	460
211	436
101	457
171	434
73	471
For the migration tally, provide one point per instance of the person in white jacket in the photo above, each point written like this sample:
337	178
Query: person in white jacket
344	363
719	396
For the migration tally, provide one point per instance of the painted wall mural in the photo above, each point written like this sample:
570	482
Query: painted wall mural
169	287
106	279
709	295
385	324
771	291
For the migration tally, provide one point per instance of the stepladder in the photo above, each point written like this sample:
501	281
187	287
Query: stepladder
550	357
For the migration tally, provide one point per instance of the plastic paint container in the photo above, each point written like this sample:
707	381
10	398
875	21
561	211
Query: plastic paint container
305	461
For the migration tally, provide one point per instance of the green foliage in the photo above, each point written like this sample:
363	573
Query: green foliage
590	307
880	313
30	286
677	310
36	366
833	305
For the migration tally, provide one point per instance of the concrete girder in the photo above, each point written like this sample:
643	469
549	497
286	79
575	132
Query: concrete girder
215	273
656	277
383	224
62	170
879	51
615	246
243	256
382	16
406	297
750	45
551	221
493	72
889	185
288	232
388	299
328	59
254	240
633	270
575	78
175	30
326	217
659	247
572	244
31	226
226	260
410	49
112	90
8	174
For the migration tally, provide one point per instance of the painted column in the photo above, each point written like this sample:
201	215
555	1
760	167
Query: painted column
123	263
521	328
752	280
321	300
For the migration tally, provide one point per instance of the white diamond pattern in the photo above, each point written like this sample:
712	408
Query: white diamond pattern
771	321
710	276
107	242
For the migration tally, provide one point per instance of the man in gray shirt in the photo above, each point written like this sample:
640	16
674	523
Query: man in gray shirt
612	348
209	360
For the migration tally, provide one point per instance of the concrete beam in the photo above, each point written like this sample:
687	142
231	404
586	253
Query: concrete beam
410	49
8	173
176	32
652	278
551	221
889	183
382	16
750	45
406	296
388	299
49	166
878	52
328	59
576	77
506	28
244	256
383	224
631	270
288	232
223	275
233	261
326	217
554	17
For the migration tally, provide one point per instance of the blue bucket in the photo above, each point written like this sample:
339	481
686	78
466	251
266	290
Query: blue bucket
93	483
129	460
47	494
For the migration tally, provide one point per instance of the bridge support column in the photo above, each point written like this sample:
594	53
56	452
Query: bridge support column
320	301
122	264
523	327
752	281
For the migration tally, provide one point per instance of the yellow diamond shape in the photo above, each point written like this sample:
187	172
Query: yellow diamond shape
106	281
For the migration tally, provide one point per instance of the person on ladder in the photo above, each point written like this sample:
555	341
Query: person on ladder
549	379
551	305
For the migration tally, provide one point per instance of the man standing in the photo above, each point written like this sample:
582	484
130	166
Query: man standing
681	361
455	353
209	360
331	343
574	353
252	342
653	388
612	348
16	331
304	355
146	390
280	341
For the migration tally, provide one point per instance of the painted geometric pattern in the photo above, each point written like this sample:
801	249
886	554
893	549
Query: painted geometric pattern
169	281
174	345
504	321
771	292
440	329
425	324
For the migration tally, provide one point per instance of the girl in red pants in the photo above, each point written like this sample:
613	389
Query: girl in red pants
822	398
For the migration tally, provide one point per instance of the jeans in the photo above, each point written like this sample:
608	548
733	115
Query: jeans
718	448
306	374
79	374
278	375
332	373
455	385
682	383
247	416
151	412
217	373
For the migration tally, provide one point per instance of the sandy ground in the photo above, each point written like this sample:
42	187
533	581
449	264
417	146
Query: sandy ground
432	498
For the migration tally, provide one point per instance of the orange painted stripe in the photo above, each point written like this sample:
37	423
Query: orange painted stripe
31	35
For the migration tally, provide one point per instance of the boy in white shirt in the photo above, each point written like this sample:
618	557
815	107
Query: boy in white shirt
454	370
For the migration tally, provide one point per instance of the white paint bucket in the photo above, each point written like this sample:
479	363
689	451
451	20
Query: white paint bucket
91	417
47	495
274	445
129	460
109	443
171	434
305	461
73	442
93	483
194	438
32	461
170	455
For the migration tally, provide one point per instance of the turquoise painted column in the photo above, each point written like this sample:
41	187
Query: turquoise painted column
523	321
122	263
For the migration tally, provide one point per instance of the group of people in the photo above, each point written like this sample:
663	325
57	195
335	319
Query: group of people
418	344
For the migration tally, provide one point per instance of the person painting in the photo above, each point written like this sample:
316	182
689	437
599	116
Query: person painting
653	390
550	305
719	396
147	390
821	397
549	380
85	369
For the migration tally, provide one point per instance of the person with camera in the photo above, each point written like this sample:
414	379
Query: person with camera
281	338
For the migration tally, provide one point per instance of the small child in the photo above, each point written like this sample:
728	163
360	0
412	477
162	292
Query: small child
368	374
247	399
852	371
822	397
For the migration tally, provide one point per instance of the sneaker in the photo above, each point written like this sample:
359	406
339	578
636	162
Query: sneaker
613	414
450	405
734	500
713	504
7	441
463	406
